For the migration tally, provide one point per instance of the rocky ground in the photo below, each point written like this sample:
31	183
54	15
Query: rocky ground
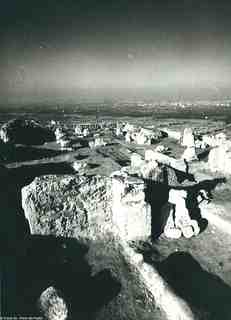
98	281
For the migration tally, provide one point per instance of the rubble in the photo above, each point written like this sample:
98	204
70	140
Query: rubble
79	166
128	128
214	141
78	130
28	132
86	132
162	149
150	170
118	129
220	158
143	136
97	142
65	143
140	135
136	160
128	138
59	134
166	160
51	305
88	126
149	155
188	139
130	213
176	135
178	220
201	144
189	154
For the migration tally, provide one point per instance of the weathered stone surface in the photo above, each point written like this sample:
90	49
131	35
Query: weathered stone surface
162	149
130	213
214	140
176	135
27	132
68	206
166	160
87	207
128	137
188	139
136	160
142	138
97	142
152	170
189	154
59	134
149	170
170	177
220	159
79	166
52	306
149	155
141	135
178	222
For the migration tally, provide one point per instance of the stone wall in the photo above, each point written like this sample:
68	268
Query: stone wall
68	206
130	213
87	207
220	158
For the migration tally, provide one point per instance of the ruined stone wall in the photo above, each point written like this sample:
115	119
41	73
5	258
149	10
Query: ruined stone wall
176	135
87	207
220	158
131	215
188	139
68	206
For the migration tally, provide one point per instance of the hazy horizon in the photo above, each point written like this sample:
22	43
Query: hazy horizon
164	49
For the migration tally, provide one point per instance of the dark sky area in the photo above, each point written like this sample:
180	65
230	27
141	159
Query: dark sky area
163	48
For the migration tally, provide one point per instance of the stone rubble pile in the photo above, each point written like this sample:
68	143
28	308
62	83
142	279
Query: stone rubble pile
130	213
153	168
98	141
214	140
162	149
79	166
188	140
219	159
51	305
141	135
62	138
176	135
178	219
189	154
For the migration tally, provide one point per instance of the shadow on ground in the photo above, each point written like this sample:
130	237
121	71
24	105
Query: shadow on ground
30	264
49	261
206	292
157	195
203	155
192	200
14	227
81	157
60	262
27	153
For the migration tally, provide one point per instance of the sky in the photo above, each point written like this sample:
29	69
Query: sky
167	48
